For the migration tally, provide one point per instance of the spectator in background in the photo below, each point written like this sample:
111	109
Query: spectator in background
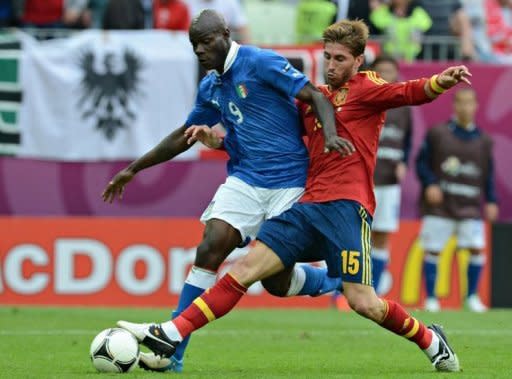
357	10
392	157
475	9
232	12
313	17
124	14
403	22
499	28
448	19
170	15
55	14
7	17
456	170
97	9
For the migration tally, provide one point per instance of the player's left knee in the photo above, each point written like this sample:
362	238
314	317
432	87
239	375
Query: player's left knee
275	288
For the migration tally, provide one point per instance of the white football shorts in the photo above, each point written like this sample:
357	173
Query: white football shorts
246	207
435	232
387	213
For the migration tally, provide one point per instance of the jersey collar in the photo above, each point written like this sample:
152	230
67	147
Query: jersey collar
230	59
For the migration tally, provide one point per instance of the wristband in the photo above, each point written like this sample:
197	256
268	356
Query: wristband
434	85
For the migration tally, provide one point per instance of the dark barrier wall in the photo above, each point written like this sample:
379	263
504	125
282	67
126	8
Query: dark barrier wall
501	295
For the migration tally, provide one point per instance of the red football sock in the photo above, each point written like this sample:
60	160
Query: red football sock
214	303
398	321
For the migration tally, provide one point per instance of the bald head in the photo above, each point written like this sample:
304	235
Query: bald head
210	39
208	21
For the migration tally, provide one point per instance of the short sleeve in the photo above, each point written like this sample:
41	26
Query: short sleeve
276	71
205	111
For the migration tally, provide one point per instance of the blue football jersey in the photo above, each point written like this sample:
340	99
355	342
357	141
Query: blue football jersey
254	100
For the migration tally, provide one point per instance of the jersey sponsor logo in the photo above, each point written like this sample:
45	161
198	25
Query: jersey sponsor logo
454	167
460	189
216	103
392	132
340	97
241	90
390	154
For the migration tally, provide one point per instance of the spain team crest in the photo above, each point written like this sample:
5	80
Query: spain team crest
340	97
241	90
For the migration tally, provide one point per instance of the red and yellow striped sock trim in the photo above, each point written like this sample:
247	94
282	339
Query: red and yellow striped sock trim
205	309
412	329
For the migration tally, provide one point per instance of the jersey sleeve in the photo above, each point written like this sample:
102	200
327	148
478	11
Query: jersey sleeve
204	112
276	71
383	95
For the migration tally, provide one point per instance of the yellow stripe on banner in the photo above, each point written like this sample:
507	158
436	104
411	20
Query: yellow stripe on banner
204	308
414	329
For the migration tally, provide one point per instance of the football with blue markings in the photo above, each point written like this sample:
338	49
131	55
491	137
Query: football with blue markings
114	350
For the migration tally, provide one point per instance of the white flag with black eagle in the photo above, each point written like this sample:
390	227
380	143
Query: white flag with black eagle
104	95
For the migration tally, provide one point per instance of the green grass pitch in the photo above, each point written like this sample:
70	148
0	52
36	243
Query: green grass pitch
54	343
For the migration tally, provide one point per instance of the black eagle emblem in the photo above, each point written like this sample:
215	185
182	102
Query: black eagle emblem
107	94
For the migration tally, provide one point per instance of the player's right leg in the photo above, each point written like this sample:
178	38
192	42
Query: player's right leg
219	240
434	234
393	317
347	226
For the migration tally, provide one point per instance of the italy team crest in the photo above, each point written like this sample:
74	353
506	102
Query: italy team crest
241	90
340	97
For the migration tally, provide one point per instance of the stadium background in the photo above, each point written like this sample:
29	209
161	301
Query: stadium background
62	245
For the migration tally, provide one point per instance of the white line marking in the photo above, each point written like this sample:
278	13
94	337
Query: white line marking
360	332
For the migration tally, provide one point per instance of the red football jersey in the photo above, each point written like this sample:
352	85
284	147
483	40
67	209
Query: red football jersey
360	107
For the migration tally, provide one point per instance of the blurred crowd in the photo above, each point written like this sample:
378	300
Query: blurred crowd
408	29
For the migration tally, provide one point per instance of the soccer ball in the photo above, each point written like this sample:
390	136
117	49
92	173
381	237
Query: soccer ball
114	350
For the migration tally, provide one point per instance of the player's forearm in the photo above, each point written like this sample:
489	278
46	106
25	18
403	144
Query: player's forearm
172	145
325	114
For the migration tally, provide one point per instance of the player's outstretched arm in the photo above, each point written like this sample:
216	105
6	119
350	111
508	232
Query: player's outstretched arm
447	79
204	134
325	113
172	145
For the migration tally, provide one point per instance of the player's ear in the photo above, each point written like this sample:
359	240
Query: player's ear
359	60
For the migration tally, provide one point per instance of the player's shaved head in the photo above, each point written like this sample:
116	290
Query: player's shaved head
209	36
208	21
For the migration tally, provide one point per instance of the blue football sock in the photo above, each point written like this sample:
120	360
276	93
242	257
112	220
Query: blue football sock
317	282
187	296
197	282
430	272
476	263
380	258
